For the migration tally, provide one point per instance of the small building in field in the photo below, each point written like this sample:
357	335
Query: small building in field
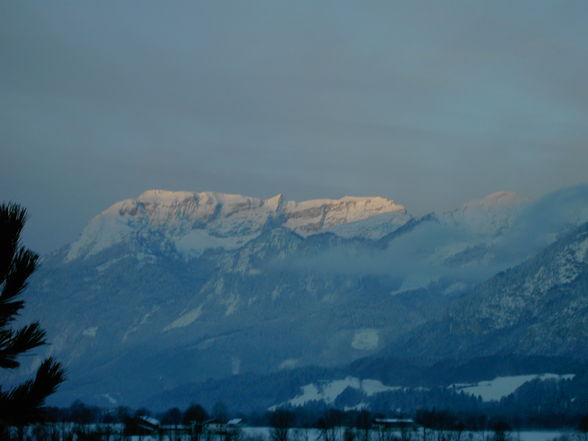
394	423
141	425
214	425
221	427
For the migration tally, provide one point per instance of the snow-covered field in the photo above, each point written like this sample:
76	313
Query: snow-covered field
500	387
315	434
539	435
67	431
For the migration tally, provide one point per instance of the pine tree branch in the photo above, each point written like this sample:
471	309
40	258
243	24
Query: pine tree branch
25	339
12	220
23	264
16	262
8	311
23	404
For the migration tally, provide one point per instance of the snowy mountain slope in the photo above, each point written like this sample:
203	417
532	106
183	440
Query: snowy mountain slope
491	215
537	307
198	317
172	288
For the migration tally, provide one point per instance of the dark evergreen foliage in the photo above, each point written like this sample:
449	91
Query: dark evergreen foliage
583	424
195	413
22	404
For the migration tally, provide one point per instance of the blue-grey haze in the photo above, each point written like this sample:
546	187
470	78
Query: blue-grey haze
428	103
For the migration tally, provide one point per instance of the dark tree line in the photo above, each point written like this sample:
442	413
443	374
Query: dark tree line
82	413
327	420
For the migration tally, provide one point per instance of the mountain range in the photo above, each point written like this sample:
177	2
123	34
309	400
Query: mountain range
179	288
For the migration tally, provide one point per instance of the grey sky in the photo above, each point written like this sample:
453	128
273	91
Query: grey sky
428	103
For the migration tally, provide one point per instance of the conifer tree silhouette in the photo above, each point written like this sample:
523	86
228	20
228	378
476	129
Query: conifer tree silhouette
22	404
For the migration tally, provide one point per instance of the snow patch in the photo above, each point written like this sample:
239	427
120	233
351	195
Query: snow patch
101	233
457	287
374	227
371	387
328	391
90	332
110	398
194	243
185	319
206	343
143	320
144	257
235	365
289	363
359	406
310	392
231	303
365	339
108	264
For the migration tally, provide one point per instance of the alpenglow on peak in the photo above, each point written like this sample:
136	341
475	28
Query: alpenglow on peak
196	221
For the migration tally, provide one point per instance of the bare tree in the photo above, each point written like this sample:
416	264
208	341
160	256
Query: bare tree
280	422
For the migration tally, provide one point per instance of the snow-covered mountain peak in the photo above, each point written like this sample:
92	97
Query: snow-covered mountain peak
164	196
309	217
494	200
275	202
489	215
196	221
198	204
181	211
